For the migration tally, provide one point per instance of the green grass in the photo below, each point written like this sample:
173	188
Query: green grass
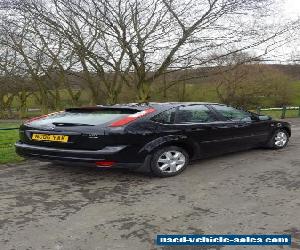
206	91
7	140
296	92
276	114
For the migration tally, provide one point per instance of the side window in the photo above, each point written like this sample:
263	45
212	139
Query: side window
165	117
232	113
194	114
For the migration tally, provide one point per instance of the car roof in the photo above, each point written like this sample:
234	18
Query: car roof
142	106
158	104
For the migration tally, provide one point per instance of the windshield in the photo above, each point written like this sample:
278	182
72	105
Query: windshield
82	117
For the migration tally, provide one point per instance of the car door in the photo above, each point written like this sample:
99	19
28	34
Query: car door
246	132
261	130
202	125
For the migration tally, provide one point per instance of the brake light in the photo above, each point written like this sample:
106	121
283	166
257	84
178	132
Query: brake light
132	117
105	163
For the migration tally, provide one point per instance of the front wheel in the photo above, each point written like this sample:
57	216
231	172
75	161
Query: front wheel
169	161
279	140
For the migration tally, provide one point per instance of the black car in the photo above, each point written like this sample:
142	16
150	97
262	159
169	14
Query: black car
158	137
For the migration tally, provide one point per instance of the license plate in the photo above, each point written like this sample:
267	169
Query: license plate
44	137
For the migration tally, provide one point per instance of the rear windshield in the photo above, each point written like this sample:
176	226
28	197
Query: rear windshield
84	117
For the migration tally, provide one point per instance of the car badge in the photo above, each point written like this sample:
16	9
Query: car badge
50	127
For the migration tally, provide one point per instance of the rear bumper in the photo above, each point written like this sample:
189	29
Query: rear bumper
72	156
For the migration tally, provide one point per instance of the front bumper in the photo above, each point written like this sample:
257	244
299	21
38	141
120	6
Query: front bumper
88	157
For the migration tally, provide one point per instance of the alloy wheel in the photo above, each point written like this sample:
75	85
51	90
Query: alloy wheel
171	161
281	139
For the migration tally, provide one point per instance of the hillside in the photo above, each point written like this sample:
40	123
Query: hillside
293	71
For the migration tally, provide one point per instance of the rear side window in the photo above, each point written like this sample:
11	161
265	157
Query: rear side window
194	114
232	113
165	117
84	117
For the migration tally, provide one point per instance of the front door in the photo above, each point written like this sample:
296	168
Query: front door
246	132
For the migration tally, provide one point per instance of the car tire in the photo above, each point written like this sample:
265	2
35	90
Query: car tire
169	161
279	139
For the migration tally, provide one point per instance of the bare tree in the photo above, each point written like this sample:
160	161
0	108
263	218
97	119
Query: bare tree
131	43
139	41
243	82
159	36
16	39
13	85
60	61
83	43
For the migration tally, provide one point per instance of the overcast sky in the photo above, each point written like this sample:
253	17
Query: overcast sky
292	8
288	10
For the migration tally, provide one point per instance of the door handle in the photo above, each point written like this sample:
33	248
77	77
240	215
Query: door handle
220	127
197	129
241	125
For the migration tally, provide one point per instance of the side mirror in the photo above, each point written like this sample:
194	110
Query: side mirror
264	118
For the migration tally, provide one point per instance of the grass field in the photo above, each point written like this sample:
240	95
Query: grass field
7	140
276	114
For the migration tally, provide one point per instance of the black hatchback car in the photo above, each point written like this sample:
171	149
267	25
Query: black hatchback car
158	137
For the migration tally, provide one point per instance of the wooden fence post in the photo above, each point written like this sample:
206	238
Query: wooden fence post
258	110
283	112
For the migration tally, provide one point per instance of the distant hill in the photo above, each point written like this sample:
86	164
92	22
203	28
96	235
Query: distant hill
292	71
194	76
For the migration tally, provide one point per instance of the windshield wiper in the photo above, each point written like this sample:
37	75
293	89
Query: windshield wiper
66	124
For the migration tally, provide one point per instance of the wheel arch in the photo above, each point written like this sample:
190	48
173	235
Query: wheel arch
288	130
188	147
181	141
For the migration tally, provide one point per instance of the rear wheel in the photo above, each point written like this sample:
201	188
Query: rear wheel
279	140
169	161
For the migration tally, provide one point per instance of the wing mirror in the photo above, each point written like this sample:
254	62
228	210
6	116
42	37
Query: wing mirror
256	117
264	118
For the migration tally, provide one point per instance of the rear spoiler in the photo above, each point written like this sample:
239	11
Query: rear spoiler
98	108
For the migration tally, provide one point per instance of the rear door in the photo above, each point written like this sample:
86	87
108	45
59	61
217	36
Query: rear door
202	125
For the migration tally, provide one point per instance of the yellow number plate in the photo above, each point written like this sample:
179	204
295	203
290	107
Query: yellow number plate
44	137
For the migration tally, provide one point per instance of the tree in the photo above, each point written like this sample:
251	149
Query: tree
90	47
139	41
244	83
12	84
16	38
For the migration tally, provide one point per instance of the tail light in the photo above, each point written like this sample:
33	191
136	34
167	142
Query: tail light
132	117
105	163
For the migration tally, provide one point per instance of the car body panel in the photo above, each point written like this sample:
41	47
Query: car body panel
131	144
